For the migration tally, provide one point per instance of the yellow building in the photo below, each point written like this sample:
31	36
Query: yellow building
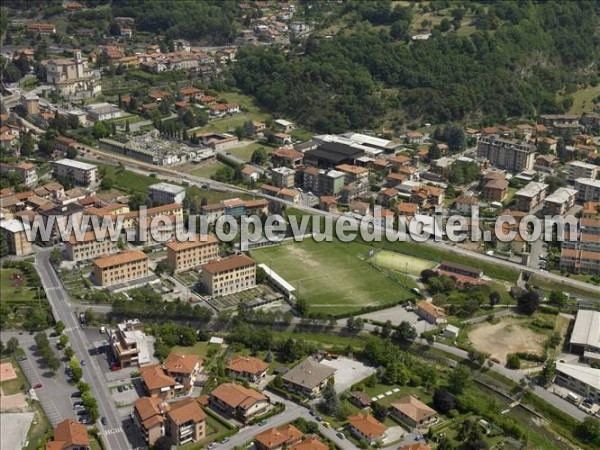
229	275
187	254
16	236
89	247
119	268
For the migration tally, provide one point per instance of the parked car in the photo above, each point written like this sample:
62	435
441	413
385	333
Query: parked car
262	423
115	368
81	412
341	435
38	386
104	421
120	389
76	394
326	424
225	441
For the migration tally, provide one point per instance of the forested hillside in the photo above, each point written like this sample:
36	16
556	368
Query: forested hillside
519	56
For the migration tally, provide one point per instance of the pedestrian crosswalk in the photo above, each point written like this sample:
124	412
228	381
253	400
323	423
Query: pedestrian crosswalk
115	430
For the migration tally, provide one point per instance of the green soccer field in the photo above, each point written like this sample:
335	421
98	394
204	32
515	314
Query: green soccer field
401	263
333	277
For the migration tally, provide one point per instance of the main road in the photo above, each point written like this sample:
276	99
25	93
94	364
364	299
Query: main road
58	298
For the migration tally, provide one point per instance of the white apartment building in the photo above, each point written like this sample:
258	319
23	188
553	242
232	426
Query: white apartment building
79	172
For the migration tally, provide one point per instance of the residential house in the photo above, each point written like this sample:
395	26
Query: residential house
278	438
283	177
310	443
185	422
465	204
430	312
130	346
366	427
90	246
360	208
307	378
78	172
190	93
284	125
360	399
183	368
158	384
560	202
250	174
69	435
165	193
415	137
588	190
41	28
413	413
248	368
580	169
237	401
494	187
286	156
282	139
15	233
184	255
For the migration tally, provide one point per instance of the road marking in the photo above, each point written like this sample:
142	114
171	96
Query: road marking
115	430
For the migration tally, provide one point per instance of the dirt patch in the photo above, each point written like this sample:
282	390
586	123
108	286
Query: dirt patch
304	256
17	402
7	372
507	336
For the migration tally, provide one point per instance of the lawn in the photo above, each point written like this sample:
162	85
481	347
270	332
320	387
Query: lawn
333	277
245	152
401	263
126	180
19	384
203	170
212	196
14	290
199	348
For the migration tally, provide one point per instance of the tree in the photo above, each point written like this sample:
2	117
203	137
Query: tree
444	401
101	129
405	332
53	363
589	431
68	351
513	361
59	327
56	256
63	340
558	298
386	329
76	370
301	307
162	443
71	153
331	401
528	302
476	357
380	412
11	346
459	378
354	325
548	372
494	298
259	156
106	184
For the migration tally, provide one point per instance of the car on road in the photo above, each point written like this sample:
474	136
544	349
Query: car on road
120	388
312	412
104	421
262	423
212	445
38	386
341	435
76	394
82	362
225	441
115	368
318	418
326	424
22	358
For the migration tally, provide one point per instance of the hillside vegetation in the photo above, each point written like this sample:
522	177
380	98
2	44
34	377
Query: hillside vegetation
522	58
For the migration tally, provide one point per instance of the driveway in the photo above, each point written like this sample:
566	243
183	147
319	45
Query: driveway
348	372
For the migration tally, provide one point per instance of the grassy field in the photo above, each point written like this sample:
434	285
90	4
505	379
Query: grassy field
199	348
204	170
333	277
245	152
212	196
127	181
401	263
583	99
19	384
12	290
40	430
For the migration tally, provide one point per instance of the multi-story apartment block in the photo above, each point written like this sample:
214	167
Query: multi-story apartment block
582	255
164	193
71	78
182	421
15	233
283	177
560	201
119	268
588	190
580	169
230	275
247	367
506	154
183	255
237	401
89	247
27	172
530	196
494	186
129	344
353	173
79	172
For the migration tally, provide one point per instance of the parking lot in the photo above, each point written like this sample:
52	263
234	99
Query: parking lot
398	314
349	372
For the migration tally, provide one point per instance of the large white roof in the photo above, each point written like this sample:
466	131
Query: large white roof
75	164
586	330
584	374
14	225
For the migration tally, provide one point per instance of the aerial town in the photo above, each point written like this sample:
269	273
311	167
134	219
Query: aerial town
151	113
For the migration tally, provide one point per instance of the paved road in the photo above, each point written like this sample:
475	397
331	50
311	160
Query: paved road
57	296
